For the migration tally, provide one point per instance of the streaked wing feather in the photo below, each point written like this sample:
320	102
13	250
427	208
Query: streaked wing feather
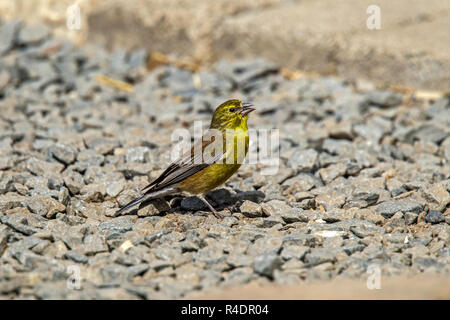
187	165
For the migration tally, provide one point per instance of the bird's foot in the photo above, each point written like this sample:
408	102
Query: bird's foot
218	215
207	213
232	208
214	211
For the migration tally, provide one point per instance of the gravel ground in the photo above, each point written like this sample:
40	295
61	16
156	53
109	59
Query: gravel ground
363	179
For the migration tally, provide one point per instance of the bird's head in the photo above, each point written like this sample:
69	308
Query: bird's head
231	114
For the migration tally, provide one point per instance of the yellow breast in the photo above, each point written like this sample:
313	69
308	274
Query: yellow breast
236	148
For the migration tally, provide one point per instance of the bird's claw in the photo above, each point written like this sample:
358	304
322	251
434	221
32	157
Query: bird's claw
207	213
218	215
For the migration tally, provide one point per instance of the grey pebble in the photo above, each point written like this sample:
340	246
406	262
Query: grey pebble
120	224
251	209
193	204
389	208
384	98
267	264
33	34
434	216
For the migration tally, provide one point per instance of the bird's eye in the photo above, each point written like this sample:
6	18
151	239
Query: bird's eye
232	109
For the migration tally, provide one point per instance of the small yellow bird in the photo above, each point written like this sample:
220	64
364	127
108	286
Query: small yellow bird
191	173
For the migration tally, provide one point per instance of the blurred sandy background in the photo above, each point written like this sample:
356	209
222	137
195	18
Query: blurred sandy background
420	287
412	48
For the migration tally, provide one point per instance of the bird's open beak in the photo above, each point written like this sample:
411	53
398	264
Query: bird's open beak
246	108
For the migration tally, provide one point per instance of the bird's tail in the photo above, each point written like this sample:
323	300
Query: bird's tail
147	196
132	203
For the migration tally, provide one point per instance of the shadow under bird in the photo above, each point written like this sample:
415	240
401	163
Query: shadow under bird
190	173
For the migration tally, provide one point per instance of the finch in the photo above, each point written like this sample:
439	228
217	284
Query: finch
210	162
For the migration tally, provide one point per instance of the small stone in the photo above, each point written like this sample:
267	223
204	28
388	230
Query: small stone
46	207
33	34
240	275
153	236
6	163
43	168
3	241
57	249
389	208
438	196
294	266
10	201
126	196
364	196
338	147
113	188
76	256
294	252
137	154
251	209
269	222
395	222
410	217
301	183
246	71
434	216
329	233
272	191
294	215
254	196
266	264
384	98
102	145
230	221
213	82
125	246
209	255
221	196
303	160
8	36
88	158
423	263
73	181
94	192
330	199
130	170
318	256
153	207
427	133
300	196
395	187
275	207
19	222
94	244
331	172
365	230
120	224
193	204
63	153
341	130
239	260
187	246
21	189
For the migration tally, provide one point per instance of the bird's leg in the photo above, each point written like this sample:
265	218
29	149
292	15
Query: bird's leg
216	214
232	207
